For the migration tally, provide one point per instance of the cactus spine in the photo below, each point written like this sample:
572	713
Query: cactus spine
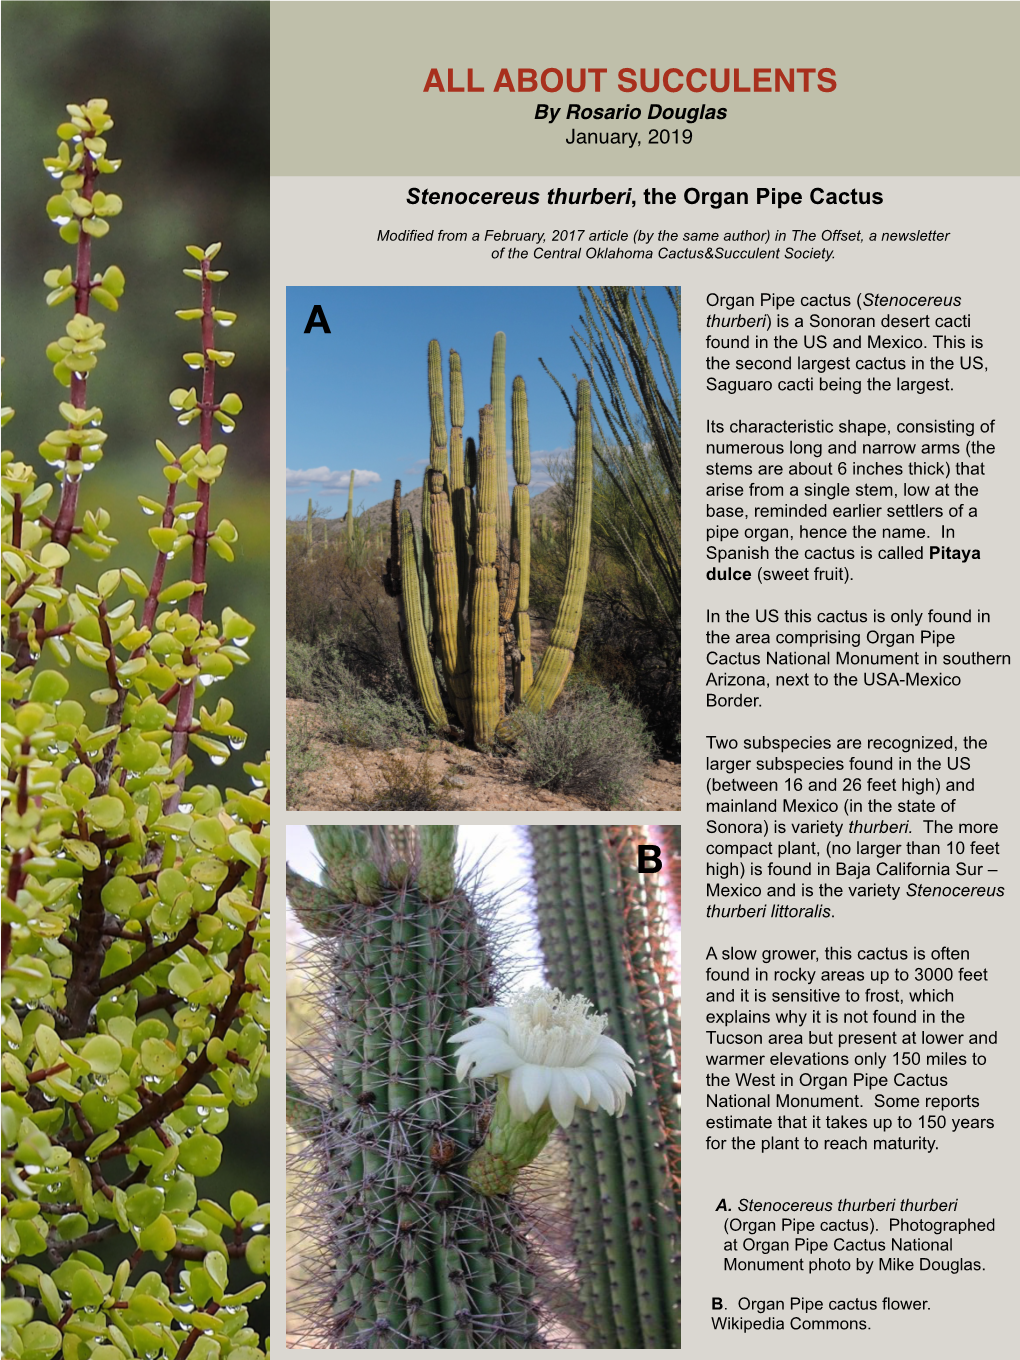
417	1259
603	931
474	562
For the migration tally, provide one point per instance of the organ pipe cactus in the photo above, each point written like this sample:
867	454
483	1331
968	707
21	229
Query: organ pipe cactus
521	539
604	933
414	1256
558	657
474	565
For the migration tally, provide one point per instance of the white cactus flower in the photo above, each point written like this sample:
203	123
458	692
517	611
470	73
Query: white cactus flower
553	1052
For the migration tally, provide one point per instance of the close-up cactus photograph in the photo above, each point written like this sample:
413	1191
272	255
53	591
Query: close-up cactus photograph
483	1087
504	633
134	950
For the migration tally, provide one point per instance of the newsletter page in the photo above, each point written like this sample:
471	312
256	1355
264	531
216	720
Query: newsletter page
644	379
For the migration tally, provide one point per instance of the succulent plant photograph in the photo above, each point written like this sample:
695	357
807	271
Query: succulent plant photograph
134	949
483	1088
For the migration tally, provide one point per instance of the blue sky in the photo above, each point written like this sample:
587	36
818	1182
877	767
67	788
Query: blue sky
358	397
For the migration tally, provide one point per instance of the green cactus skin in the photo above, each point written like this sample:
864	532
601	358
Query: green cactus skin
521	536
486	651
450	633
460	487
350	509
418	1259
417	637
603	933
308	525
558	657
497	389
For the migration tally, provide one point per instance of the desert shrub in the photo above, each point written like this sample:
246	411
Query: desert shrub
300	661
404	786
302	758
354	713
346	612
593	745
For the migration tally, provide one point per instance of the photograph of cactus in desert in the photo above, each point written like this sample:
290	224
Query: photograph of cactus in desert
503	632
483	1087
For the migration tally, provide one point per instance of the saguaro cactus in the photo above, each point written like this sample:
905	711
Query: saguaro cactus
603	929
350	510
415	1258
476	559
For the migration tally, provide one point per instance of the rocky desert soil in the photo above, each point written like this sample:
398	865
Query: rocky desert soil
324	777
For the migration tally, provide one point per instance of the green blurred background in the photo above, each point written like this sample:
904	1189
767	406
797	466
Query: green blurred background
188	88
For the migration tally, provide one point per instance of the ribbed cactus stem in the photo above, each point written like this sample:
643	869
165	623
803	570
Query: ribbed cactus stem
595	925
417	638
308	525
437	875
521	537
558	657
460	499
497	390
422	1261
450	633
437	409
315	907
486	651
350	509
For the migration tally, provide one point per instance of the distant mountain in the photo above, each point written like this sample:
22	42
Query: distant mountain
378	515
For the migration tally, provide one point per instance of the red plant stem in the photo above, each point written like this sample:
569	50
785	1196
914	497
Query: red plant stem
64	523
200	538
156	585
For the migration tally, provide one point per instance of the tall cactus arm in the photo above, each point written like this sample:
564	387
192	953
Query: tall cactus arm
521	537
417	639
558	657
486	651
498	397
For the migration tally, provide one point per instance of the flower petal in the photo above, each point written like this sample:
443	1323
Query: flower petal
602	1094
496	1015
607	1047
562	1100
490	1059
577	1080
484	1029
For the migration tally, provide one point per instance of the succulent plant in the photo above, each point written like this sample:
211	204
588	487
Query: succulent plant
135	915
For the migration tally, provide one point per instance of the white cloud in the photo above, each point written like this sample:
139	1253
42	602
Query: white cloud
328	479
541	474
